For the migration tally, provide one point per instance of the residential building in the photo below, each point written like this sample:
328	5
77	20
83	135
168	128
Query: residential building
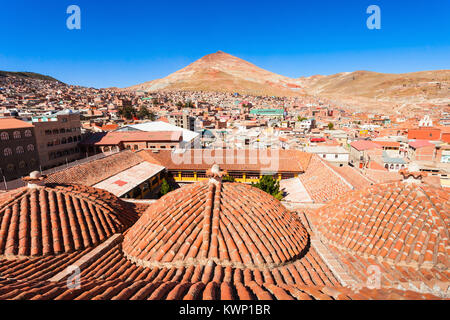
421	150
131	140
363	151
182	120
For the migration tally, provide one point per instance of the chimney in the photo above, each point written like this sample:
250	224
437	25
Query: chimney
35	180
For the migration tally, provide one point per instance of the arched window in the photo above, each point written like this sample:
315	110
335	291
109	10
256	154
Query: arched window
17	135
4	136
69	140
62	130
22	164
28	133
30	147
32	162
19	150
10	167
7	152
63	141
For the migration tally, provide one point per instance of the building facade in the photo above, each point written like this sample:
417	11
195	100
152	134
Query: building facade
182	120
18	149
58	136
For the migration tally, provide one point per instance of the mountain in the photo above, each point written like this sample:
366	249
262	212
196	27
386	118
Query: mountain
27	75
225	73
365	87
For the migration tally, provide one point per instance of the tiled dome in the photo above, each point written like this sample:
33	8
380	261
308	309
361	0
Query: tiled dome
400	223
228	224
53	219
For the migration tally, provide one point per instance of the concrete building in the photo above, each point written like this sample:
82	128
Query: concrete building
182	120
57	137
133	140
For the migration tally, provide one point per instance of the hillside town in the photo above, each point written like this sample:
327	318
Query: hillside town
47	125
204	195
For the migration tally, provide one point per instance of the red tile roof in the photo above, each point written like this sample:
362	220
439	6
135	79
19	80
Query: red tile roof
12	123
398	223
323	183
420	144
362	145
204	222
231	160
93	172
55	219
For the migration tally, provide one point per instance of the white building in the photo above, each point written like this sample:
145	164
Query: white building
336	155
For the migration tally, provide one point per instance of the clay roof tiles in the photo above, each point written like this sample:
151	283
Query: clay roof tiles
56	219
399	223
230	224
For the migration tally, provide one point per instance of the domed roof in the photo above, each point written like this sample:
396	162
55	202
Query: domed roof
229	224
53	219
400	223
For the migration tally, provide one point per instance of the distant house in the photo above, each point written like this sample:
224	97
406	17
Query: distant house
421	150
362	151
337	156
431	134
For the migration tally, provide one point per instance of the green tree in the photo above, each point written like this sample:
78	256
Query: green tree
330	126
228	178
189	104
269	185
143	113
128	112
165	188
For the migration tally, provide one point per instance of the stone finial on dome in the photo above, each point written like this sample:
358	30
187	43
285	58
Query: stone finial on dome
215	174
35	179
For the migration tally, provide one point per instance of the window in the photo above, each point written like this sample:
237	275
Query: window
62	131
48	132
17	135
30	147
135	147
28	133
4	136
32	162
7	152
336	156
10	167
22	164
19	150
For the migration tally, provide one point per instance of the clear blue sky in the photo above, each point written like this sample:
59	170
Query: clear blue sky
122	43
